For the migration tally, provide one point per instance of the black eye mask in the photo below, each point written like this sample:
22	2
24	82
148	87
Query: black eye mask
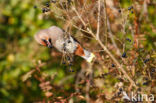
45	41
48	43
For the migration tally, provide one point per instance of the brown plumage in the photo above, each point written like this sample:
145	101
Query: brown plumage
56	37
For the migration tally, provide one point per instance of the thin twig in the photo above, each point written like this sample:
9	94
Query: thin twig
79	16
108	52
105	15
115	60
112	37
65	79
80	29
79	76
98	20
88	82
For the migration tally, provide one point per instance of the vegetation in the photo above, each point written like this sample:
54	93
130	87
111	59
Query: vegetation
121	33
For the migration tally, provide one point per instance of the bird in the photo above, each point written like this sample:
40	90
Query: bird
56	37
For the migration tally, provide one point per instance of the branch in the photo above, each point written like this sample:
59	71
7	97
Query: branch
108	52
79	16
98	21
105	14
112	38
114	59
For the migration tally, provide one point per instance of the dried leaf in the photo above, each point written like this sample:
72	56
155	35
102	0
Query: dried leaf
48	94
27	75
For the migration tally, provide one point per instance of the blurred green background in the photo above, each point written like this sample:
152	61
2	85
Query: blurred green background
19	53
19	21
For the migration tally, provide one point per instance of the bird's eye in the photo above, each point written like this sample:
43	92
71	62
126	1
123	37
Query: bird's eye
69	41
49	40
44	40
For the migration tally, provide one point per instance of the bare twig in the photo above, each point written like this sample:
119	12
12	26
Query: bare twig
107	51
89	82
79	76
79	16
98	20
112	38
105	15
65	79
144	11
115	60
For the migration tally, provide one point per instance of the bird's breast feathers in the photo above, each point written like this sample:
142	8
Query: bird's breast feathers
68	44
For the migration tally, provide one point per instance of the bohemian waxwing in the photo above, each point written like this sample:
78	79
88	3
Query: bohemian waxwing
54	36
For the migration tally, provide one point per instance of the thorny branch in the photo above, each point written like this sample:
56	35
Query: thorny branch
106	50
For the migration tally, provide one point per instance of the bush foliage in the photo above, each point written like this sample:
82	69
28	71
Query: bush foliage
121	33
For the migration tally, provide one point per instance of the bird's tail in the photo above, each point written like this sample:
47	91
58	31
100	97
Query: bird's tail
87	55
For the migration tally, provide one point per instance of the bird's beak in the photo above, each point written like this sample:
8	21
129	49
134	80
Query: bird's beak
47	43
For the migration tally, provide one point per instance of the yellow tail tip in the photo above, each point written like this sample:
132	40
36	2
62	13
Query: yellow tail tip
90	59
